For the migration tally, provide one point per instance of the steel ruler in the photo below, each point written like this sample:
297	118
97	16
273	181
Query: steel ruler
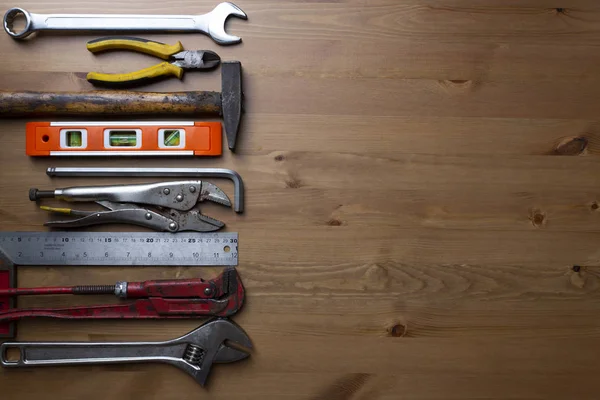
118	248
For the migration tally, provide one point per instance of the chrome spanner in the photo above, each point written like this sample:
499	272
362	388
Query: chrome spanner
194	353
212	24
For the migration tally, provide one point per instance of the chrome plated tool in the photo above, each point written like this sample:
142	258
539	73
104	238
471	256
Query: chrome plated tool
193	353
212	23
118	249
238	184
174	202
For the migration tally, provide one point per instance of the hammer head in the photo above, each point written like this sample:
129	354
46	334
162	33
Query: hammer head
232	99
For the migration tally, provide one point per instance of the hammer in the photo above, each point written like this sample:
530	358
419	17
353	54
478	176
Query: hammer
227	103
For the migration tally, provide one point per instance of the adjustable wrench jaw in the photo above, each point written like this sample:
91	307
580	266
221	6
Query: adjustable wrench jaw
206	345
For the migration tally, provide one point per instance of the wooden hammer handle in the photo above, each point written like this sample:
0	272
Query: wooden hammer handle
39	104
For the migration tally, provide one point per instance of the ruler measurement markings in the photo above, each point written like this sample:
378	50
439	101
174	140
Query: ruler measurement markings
89	248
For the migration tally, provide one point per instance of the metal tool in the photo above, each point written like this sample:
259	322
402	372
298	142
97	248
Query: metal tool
177	199
222	296
177	58
118	249
108	249
238	184
227	103
212	23
194	353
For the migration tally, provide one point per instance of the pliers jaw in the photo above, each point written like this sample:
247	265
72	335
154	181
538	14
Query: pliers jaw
195	221
199	59
212	192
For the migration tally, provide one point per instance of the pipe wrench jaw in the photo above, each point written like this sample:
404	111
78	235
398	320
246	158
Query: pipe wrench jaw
231	292
221	297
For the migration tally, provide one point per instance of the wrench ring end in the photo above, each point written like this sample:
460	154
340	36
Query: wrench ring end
4	361
9	19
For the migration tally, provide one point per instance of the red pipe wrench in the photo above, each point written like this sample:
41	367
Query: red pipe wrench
179	298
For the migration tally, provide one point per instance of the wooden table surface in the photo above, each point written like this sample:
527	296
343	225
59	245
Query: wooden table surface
422	176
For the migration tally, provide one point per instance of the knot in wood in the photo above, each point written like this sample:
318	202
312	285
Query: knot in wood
572	146
537	218
397	330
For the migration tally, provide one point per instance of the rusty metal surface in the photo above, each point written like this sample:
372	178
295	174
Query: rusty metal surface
40	104
232	100
222	296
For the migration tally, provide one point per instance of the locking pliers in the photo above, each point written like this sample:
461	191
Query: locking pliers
174	203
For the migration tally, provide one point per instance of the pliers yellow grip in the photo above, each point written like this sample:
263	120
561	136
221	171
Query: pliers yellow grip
177	58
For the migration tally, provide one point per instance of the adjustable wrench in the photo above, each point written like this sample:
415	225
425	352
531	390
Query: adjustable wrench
212	23
194	353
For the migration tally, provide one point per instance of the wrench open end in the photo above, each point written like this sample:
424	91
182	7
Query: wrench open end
217	20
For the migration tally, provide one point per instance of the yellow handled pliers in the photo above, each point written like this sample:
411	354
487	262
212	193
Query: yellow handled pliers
177	58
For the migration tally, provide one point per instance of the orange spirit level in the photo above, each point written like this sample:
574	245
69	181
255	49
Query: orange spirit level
144	138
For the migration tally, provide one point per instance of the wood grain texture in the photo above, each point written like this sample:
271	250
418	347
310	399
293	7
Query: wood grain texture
422	177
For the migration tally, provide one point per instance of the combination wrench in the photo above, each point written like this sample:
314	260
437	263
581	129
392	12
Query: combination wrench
193	353
212	23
